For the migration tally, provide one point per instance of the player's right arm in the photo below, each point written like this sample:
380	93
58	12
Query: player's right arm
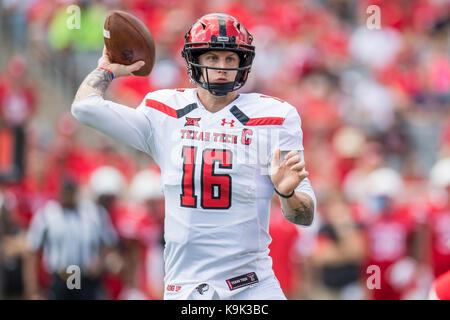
122	123
99	79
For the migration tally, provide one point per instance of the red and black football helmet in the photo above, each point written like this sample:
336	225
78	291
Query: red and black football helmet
218	31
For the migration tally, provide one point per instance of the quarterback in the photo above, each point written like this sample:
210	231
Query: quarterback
222	155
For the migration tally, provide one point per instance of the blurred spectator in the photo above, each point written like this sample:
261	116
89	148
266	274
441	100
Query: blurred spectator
339	254
436	234
148	215
18	99
106	153
86	36
66	157
375	48
369	159
85	40
17	21
106	186
318	101
13	247
389	233
71	232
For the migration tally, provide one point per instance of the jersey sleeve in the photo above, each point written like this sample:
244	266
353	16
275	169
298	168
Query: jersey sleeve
126	125
291	138
304	186
291	134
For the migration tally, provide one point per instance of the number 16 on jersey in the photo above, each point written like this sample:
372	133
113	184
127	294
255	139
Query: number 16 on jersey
215	188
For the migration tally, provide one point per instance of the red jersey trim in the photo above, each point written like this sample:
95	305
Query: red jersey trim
266	121
161	107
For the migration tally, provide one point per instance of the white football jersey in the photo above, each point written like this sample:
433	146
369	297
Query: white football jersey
214	175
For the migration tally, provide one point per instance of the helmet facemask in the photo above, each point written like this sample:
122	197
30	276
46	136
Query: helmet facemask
192	51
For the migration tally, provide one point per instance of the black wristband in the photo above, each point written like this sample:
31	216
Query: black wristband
282	195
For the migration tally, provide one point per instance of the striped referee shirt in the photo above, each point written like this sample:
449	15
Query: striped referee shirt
70	236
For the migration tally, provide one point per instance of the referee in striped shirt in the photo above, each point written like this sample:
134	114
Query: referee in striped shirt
70	232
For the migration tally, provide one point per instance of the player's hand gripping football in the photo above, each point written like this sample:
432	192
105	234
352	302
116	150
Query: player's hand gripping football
287	175
119	70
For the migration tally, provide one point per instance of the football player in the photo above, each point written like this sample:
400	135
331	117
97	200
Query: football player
222	156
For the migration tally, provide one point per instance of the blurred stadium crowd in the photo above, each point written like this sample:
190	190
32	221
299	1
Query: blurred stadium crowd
375	106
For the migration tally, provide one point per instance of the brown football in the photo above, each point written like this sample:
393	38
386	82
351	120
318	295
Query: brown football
128	40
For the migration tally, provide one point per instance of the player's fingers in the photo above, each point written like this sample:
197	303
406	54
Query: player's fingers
303	174
291	154
298	166
287	157
135	66
276	158
293	160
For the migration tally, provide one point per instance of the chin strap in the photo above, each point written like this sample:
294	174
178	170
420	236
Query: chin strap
219	89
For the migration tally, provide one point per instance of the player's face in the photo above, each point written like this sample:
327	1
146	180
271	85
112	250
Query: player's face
219	59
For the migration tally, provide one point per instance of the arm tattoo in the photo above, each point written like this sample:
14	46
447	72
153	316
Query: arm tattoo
98	80
302	215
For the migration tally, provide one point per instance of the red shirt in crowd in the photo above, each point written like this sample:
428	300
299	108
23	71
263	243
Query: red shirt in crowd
284	238
438	224
388	238
17	103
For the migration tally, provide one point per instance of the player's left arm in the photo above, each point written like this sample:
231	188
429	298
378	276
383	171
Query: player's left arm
289	179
